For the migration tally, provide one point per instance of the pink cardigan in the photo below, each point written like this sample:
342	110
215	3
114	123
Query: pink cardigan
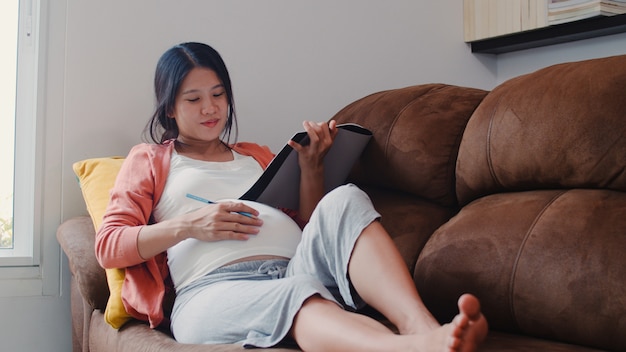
137	190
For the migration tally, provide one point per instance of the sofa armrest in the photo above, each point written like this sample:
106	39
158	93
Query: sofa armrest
77	238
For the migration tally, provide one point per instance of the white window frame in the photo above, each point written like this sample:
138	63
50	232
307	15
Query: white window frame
33	267
24	252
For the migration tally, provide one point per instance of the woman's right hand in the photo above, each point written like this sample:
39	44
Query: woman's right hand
213	222
221	221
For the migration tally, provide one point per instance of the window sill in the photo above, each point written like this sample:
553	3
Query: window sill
21	281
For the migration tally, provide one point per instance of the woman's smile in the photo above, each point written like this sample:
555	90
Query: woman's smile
211	123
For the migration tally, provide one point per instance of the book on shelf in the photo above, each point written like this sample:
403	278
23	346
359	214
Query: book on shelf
279	185
563	11
555	4
485	19
615	7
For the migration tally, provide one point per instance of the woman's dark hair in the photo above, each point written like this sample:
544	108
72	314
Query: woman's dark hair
171	70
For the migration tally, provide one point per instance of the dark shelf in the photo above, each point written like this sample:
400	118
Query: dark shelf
560	33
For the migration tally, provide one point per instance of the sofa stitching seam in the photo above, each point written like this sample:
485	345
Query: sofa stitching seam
488	145
406	106
519	255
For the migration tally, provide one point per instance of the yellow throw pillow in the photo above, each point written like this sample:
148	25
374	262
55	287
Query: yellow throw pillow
97	177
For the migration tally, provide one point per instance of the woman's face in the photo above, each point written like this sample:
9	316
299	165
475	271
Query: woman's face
201	107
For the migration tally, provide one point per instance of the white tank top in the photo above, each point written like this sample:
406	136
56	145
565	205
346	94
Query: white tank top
219	181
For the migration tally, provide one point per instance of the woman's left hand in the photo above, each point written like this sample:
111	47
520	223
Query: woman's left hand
311	161
321	136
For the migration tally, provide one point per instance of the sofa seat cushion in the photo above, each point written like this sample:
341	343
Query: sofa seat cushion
136	336
549	264
503	342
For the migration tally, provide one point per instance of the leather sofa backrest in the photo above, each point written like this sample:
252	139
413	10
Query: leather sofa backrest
416	136
563	126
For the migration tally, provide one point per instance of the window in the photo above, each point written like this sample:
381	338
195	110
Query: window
8	72
30	174
19	119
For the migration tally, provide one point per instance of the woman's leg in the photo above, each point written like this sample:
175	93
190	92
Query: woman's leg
379	275
343	240
321	325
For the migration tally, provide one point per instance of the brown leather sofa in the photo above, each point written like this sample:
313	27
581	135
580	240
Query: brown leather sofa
517	195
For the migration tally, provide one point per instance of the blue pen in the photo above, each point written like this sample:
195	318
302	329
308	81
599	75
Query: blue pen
189	195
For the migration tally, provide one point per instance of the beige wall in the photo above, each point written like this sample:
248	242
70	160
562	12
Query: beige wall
521	62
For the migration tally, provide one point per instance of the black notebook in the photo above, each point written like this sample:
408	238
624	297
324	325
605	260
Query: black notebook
279	185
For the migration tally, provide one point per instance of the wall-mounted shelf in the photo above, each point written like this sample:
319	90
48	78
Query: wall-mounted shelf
561	33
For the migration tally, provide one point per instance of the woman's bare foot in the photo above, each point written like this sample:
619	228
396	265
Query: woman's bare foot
322	325
463	334
469	326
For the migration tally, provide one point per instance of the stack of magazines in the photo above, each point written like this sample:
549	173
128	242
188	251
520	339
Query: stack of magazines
562	11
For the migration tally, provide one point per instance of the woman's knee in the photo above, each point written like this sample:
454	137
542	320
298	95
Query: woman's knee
346	209
344	197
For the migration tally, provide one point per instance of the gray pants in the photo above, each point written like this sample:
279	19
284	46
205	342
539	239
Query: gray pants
254	303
